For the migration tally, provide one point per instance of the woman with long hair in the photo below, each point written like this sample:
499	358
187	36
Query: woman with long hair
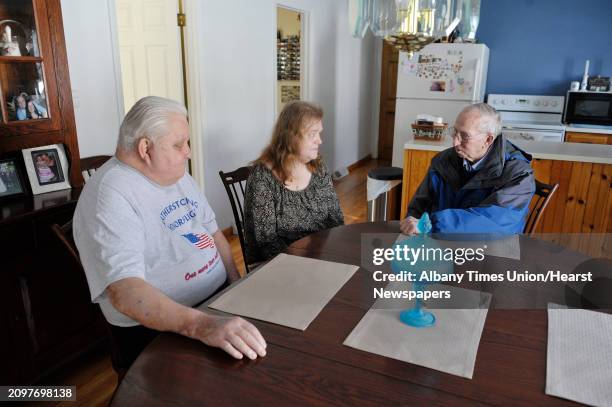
289	193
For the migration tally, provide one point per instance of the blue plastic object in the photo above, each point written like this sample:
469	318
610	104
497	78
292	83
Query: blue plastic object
417	316
424	224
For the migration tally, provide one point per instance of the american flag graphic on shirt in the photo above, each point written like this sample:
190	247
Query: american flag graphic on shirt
201	241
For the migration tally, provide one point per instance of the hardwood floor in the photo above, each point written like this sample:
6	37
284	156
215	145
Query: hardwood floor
93	375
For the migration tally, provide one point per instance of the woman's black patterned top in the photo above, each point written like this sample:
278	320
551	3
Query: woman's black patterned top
275	216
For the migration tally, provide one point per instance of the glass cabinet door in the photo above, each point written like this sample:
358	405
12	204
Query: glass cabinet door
26	62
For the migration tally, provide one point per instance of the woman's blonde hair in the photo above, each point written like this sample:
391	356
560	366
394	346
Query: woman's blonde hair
283	149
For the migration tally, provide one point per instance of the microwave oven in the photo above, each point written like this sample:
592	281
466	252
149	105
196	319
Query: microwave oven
588	108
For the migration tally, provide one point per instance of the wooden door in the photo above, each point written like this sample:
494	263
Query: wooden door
149	48
388	87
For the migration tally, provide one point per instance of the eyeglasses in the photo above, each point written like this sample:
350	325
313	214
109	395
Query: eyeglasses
463	136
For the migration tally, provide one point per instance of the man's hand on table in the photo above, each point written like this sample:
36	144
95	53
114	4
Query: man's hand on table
150	307
234	335
408	226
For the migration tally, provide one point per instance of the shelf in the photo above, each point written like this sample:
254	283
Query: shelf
20	59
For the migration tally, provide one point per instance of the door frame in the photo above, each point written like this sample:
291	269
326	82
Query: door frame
194	99
378	50
305	90
112	19
194	94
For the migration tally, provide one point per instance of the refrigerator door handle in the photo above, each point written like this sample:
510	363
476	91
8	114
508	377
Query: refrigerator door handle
477	81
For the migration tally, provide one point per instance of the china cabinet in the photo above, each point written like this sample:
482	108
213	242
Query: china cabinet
46	317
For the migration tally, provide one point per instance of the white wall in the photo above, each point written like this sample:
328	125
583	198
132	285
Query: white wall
237	49
97	100
354	93
236	46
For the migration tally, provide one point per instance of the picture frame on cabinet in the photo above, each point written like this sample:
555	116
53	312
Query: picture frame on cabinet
23	106
11	181
47	168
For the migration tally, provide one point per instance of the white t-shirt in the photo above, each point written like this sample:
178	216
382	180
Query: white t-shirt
126	225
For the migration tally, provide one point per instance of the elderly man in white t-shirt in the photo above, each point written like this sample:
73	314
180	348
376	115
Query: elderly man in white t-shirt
149	242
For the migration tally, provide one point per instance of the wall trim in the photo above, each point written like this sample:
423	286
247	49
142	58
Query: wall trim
194	95
375	129
114	34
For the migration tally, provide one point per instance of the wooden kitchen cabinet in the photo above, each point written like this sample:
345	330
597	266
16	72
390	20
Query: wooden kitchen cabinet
416	164
583	202
591	138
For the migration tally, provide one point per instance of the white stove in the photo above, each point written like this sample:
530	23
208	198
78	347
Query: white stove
530	117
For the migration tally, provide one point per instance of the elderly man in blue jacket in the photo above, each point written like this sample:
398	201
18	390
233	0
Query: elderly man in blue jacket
483	184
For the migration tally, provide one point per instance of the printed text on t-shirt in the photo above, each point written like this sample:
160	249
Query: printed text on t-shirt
189	204
189	276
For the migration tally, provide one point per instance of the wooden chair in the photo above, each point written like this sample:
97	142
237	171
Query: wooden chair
235	186
89	165
539	202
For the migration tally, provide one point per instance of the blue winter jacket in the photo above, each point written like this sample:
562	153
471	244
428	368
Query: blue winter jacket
494	199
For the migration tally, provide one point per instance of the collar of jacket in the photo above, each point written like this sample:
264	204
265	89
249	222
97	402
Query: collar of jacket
490	172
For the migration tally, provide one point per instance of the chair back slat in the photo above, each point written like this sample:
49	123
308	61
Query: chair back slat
89	165
236	196
541	199
239	198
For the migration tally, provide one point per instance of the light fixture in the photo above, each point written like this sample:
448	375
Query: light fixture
411	24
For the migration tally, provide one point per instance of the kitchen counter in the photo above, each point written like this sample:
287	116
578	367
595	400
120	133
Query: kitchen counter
580	152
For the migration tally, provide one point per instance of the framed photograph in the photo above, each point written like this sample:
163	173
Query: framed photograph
11	182
47	168
26	107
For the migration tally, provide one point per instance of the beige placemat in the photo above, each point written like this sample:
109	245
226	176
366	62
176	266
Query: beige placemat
289	290
449	346
579	355
508	247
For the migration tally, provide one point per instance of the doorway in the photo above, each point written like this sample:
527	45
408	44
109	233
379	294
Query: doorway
149	50
290	52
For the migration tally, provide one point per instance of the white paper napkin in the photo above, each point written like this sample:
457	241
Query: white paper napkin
449	346
579	357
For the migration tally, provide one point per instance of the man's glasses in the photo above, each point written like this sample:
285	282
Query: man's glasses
462	136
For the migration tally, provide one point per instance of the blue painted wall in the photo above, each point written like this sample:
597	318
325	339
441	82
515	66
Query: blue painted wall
540	46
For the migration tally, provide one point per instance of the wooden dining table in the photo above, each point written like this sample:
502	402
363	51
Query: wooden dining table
313	367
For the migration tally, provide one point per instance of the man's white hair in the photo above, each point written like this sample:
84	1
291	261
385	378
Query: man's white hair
147	118
490	120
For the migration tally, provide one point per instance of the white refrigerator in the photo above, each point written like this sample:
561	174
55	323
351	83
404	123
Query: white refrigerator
439	80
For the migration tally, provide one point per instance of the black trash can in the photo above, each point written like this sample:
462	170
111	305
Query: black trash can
384	191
